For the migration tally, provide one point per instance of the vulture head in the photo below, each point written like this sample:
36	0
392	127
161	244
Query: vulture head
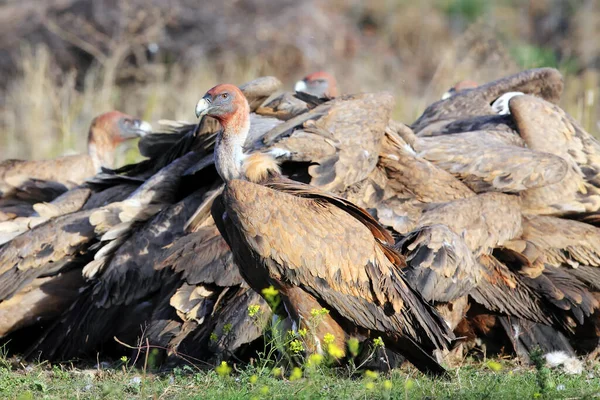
460	86
116	127
320	84
228	105
110	129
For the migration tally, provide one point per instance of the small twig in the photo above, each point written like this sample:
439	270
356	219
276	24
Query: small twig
145	365
185	358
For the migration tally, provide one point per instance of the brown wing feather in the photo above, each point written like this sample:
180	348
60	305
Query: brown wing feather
563	241
412	175
543	82
68	171
439	263
485	162
501	290
570	195
258	90
546	127
312	243
484	221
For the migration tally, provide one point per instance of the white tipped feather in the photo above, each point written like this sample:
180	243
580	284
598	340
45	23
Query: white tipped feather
117	231
93	268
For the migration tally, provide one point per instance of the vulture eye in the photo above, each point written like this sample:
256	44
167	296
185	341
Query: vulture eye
224	95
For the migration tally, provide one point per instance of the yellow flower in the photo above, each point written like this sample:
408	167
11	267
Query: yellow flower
271	295
264	390
494	365
369	385
353	346
387	385
314	360
296	374
213	337
409	384
317	313
372	375
253	310
328	338
302	332
270	291
276	372
296	346
253	379
378	342
223	369
334	351
227	328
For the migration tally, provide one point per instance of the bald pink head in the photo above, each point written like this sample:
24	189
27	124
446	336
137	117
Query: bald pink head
320	84
115	127
229	106
108	130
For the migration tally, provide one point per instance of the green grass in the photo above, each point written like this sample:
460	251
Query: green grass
492	380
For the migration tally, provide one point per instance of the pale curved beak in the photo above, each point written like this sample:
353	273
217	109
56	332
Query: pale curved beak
202	107
144	128
446	95
300	86
138	128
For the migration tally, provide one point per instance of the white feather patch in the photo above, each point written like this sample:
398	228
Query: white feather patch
500	105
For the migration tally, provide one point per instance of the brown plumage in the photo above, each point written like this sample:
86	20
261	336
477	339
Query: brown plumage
68	202
492	160
270	226
546	127
64	242
342	137
106	132
438	254
125	286
543	82
403	183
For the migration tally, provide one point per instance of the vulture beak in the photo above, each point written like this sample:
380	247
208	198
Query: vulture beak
300	86
447	95
203	106
143	128
138	128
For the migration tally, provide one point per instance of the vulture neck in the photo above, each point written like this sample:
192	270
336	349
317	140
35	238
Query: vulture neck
101	149
229	153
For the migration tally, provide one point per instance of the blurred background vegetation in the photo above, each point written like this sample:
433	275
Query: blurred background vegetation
65	61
